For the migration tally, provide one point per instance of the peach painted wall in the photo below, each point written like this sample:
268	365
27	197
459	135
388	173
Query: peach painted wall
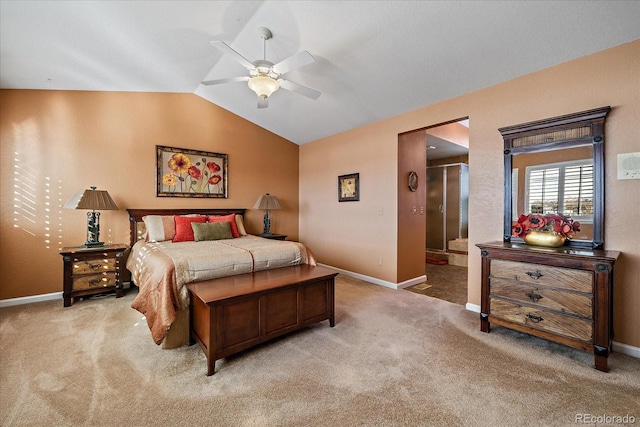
57	142
353	236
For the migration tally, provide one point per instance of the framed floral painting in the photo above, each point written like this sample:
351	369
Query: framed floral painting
349	188
190	173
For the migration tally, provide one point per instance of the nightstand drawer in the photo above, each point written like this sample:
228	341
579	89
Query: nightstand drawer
93	266
92	271
94	281
548	321
557	277
555	299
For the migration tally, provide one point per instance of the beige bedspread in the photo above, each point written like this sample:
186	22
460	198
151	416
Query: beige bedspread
162	270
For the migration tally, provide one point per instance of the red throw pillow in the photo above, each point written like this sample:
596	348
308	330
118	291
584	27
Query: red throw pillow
184	231
231	218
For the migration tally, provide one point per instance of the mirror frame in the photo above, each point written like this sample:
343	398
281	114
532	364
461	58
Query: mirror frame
571	130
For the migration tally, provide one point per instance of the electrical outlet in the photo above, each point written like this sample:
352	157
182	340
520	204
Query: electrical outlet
380	262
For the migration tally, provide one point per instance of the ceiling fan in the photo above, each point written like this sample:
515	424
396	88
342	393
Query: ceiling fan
265	77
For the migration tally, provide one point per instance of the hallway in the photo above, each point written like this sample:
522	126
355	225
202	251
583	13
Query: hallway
446	282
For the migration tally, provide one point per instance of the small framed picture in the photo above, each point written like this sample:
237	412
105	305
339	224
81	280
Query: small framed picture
349	188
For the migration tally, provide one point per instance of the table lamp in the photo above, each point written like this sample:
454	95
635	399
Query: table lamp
267	202
95	200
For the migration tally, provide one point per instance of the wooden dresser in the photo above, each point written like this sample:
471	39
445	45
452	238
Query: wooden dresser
561	294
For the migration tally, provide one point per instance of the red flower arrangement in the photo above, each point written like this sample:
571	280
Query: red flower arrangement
553	223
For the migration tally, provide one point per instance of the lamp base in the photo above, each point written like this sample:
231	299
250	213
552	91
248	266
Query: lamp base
93	244
267	223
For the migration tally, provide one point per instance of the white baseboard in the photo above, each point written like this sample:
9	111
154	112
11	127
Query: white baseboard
365	278
412	282
39	298
472	307
627	349
616	347
28	300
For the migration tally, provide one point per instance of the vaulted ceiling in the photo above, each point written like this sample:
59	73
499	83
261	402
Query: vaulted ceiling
373	59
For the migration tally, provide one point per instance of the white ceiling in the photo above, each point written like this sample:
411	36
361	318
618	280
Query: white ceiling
438	148
374	59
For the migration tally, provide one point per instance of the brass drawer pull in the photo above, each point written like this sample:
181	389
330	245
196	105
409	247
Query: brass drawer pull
534	274
533	296
95	266
534	318
95	281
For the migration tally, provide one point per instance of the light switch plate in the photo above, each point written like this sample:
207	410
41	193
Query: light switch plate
629	166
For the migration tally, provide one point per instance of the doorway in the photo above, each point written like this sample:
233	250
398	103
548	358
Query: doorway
446	212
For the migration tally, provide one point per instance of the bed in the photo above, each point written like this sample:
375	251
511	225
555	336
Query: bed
163	260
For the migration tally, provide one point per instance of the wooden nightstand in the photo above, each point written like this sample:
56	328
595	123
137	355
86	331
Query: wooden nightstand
92	270
274	236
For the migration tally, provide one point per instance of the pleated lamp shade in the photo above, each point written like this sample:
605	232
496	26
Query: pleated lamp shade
97	200
268	202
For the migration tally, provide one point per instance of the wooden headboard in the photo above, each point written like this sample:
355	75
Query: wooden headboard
135	216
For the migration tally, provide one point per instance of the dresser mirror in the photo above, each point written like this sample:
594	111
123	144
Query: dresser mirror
556	165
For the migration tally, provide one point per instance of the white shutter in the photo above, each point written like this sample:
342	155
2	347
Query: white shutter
578	191
543	190
565	188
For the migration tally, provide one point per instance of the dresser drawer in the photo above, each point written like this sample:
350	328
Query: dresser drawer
534	296
94	281
563	295
557	277
93	265
556	323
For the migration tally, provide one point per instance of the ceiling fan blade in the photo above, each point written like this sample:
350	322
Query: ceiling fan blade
298	88
229	80
296	61
225	48
262	102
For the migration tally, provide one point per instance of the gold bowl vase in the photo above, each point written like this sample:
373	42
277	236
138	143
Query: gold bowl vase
542	238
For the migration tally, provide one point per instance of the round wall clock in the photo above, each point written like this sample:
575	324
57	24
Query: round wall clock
413	181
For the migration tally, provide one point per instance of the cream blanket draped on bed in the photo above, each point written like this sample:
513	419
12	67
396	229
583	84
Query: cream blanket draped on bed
162	270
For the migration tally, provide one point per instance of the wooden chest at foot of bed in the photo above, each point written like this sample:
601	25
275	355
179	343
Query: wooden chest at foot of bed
232	314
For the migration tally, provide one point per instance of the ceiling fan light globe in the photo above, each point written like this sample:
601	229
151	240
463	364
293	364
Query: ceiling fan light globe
263	85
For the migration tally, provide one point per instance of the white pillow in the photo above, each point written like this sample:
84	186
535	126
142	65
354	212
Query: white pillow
240	225
159	227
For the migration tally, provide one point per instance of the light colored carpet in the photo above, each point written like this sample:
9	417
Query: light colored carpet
394	358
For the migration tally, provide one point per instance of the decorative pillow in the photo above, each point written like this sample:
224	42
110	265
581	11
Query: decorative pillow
212	231
231	219
159	227
184	231
240	225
